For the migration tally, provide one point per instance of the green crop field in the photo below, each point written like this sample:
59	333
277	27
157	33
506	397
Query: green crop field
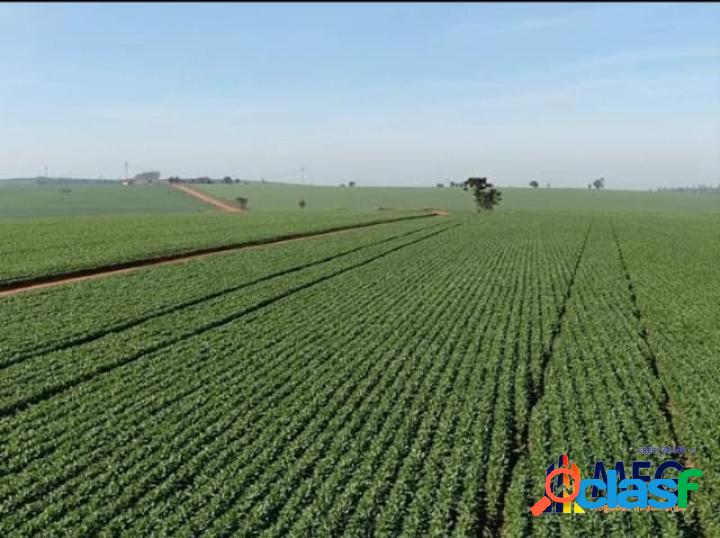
24	199
410	378
443	270
285	197
31	248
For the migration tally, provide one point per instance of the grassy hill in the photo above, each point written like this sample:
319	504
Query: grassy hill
26	199
285	197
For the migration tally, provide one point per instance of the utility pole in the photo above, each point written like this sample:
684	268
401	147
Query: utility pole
126	171
46	172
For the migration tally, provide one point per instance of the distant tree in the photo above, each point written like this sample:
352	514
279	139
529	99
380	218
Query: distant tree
302	204
599	183
485	194
351	183
590	186
237	181
440	185
227	179
493	198
534	184
547	185
242	202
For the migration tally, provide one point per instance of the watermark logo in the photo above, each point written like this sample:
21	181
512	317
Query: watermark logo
610	490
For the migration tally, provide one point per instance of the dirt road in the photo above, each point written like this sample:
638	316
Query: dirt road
34	284
211	200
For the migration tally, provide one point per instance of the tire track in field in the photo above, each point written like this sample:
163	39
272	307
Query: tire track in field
520	446
692	526
145	390
16	287
351	421
277	388
366	460
50	392
129	324
311	456
140	388
274	389
208	438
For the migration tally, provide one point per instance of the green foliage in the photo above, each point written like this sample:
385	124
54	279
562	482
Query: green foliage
409	379
273	197
486	196
32	201
31	248
29	200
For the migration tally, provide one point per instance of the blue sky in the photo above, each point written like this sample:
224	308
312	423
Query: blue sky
405	94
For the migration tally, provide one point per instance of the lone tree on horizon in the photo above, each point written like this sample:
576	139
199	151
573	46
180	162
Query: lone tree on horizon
534	184
302	204
486	195
599	183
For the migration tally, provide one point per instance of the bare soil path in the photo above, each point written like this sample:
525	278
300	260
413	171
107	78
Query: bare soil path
211	200
34	284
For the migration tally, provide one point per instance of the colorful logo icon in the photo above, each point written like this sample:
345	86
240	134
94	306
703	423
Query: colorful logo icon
611	490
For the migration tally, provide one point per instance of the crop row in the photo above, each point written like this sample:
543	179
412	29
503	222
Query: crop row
41	377
172	356
28	421
413	381
340	409
600	400
38	322
52	246
672	264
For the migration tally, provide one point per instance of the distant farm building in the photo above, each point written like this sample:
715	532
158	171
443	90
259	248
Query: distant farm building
145	178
